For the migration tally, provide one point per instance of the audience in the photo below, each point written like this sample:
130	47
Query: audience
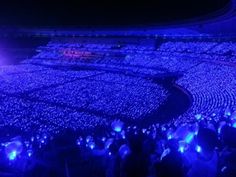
49	102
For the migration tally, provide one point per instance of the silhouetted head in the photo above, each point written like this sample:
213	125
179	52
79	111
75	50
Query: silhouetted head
207	139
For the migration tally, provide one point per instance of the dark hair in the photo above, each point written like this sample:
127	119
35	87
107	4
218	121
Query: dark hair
207	139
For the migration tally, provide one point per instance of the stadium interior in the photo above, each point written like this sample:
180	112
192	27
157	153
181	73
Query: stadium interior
118	88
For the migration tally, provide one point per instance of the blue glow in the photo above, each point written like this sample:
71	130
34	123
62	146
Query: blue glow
195	128
78	142
124	150
219	130
134	98
12	155
234	125
117	129
108	143
29	153
233	115
123	134
182	145
117	126
220	126
188	139
32	138
198	149
170	134
89	139
165	153
45	136
91	145
198	116
12	149
123	137
227	112
163	128
169	137
27	144
181	149
223	168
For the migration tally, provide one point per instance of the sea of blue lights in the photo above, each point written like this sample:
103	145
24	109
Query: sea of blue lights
185	133
105	86
49	100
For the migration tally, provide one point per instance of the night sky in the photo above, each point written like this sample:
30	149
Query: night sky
77	13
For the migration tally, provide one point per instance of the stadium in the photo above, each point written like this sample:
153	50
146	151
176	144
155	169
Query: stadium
96	94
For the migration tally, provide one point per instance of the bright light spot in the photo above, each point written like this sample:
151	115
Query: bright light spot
32	139
227	112
123	134
89	139
12	155
29	153
198	116
169	134
117	129
182	145
117	125
103	139
12	149
234	125
169	137
27	144
78	142
198	149
189	138
91	145
181	149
